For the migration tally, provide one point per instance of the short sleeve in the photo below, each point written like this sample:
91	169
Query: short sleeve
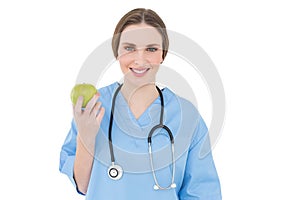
201	180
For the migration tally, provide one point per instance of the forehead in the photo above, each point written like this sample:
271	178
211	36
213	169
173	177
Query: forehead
140	35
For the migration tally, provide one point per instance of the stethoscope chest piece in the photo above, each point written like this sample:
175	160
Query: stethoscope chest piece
115	172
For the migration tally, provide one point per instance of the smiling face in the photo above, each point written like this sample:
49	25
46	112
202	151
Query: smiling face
140	53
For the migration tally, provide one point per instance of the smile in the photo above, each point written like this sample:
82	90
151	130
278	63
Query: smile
139	72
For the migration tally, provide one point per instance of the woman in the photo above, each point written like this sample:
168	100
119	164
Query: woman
112	150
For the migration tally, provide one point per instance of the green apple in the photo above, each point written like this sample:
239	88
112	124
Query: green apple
83	89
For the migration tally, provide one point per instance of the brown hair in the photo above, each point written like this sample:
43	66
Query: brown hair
138	16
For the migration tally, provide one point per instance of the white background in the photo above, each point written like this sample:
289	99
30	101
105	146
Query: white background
255	46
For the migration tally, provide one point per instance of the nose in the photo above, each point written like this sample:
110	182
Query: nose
140	58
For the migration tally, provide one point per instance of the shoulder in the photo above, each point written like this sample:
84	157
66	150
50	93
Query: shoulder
108	89
190	119
107	92
180	104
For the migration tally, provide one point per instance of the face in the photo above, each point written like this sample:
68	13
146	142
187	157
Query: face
140	53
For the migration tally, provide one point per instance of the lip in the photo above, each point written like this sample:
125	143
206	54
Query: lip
139	72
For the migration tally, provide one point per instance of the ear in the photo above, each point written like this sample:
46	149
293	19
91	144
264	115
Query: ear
118	57
161	60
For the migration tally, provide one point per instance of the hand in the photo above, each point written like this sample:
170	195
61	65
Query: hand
88	120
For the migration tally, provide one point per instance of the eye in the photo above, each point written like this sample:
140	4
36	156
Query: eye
152	49
129	48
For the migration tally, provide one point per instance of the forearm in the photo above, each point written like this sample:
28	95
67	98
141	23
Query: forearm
83	164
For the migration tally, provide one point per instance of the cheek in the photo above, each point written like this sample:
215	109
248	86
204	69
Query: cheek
153	58
125	63
157	57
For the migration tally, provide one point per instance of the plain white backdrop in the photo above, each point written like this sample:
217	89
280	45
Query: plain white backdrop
255	46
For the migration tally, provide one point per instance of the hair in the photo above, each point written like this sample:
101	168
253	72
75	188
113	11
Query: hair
138	16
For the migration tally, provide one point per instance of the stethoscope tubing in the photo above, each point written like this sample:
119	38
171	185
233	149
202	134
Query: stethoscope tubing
111	149
117	169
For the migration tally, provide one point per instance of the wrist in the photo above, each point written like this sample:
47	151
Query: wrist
88	143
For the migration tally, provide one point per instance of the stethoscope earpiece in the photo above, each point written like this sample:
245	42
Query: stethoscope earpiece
156	187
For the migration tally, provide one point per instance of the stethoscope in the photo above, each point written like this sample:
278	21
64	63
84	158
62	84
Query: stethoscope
115	172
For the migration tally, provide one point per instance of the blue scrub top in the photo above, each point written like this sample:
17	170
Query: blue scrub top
195	175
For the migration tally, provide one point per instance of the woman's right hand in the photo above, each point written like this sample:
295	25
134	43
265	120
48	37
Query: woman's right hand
88	120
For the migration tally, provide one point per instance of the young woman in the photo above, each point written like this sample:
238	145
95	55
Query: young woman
134	140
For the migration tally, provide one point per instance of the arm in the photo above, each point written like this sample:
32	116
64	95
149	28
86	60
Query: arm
83	165
200	179
76	160
78	150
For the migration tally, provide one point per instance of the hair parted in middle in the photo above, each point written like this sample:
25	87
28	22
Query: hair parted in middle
138	16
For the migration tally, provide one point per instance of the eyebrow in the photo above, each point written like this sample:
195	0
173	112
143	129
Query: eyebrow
134	45
128	44
151	45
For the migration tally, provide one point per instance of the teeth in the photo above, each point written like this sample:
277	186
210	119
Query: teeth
139	71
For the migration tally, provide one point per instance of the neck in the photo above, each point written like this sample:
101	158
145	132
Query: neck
139	97
138	93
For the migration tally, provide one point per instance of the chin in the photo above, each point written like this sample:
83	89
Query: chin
137	81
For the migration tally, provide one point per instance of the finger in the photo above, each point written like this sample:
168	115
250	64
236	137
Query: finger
90	105
100	115
96	108
78	105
